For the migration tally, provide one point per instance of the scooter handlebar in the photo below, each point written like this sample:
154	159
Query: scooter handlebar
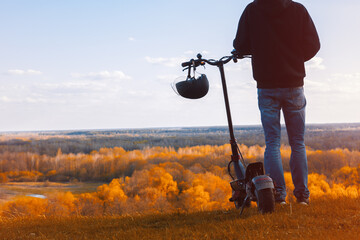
197	62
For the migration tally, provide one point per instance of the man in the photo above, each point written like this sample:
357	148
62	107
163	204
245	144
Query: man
280	35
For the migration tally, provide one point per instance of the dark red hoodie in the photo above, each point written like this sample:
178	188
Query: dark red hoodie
280	36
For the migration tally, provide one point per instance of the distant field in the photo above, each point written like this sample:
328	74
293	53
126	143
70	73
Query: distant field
318	136
323	219
12	190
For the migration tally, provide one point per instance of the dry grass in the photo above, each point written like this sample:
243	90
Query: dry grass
324	219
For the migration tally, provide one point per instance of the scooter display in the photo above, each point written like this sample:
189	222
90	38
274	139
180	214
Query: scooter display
250	182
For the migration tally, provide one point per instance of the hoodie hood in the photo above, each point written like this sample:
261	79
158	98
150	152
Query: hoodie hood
272	7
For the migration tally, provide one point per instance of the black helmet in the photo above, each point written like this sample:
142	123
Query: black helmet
193	88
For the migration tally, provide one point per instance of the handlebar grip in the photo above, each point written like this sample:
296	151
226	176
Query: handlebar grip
186	64
193	62
237	55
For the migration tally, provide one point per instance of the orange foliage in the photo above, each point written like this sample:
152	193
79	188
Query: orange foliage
112	192
109	163
207	192
348	176
320	186
61	204
25	206
155	187
155	190
164	180
87	204
3	178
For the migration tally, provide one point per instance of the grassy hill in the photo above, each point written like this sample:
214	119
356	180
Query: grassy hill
325	218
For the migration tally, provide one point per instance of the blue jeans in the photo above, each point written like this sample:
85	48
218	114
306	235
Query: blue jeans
292	102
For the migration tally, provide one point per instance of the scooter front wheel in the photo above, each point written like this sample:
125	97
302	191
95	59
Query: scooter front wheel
265	200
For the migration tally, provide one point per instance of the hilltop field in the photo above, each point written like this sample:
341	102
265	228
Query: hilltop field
324	219
168	184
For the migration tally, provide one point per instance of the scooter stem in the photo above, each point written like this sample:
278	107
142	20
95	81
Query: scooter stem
239	168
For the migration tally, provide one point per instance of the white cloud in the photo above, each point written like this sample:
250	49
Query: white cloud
315	84
131	39
350	76
102	75
345	84
174	61
315	63
15	72
169	78
32	99
23	72
168	62
35	100
190	52
78	87
241	65
33	72
5	99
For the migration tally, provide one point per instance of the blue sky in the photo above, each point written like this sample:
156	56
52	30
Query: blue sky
109	64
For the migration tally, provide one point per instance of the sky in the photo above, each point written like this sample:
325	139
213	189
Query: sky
89	64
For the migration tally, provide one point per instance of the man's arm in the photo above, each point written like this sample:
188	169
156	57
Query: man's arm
311	42
242	40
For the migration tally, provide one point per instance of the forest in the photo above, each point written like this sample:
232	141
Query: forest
318	137
159	177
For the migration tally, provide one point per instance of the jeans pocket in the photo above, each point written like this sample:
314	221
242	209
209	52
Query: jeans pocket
265	99
298	98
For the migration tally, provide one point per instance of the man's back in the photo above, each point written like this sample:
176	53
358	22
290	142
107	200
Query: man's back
280	36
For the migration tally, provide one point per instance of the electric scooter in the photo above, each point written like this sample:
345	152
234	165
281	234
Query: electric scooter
250	182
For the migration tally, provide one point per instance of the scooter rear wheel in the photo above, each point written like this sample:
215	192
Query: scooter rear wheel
265	200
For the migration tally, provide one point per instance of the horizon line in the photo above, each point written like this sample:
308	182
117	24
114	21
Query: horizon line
163	128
